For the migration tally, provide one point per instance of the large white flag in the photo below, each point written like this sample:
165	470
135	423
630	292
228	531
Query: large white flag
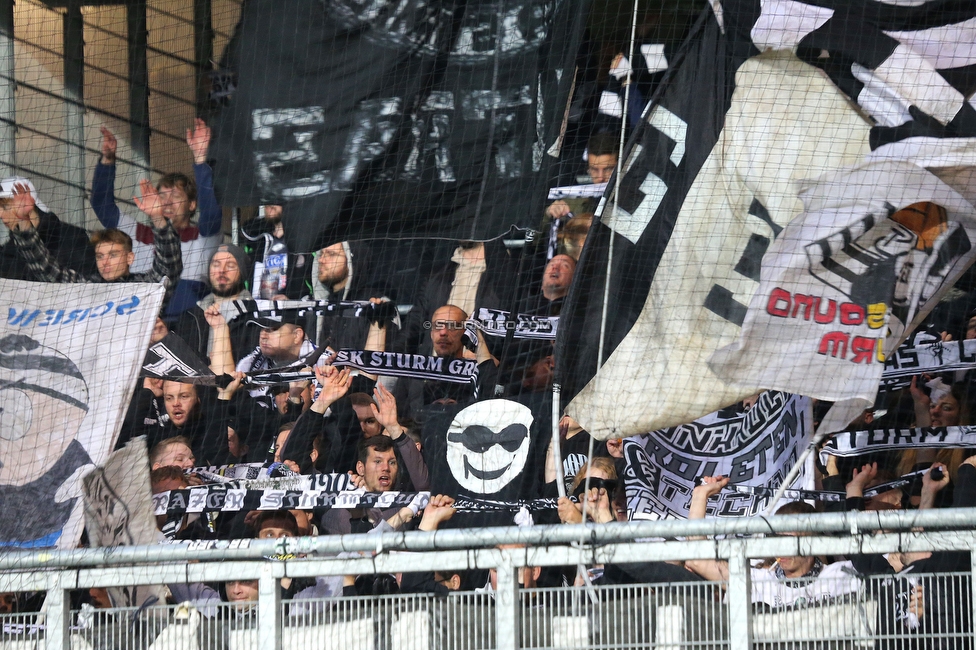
846	280
69	358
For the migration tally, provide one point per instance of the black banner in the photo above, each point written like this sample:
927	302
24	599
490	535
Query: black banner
389	119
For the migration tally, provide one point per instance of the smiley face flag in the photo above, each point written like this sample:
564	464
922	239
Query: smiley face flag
493	449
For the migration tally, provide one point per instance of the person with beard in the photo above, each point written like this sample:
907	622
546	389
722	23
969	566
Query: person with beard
278	273
343	273
414	397
228	269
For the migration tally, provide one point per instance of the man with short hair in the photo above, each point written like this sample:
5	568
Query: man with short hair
228	269
179	198
601	161
363	405
378	469
343	273
447	333
172	452
162	410
113	248
557	278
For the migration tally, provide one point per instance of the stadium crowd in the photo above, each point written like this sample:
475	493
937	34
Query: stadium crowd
375	430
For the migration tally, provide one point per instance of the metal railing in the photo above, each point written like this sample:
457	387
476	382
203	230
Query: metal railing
687	615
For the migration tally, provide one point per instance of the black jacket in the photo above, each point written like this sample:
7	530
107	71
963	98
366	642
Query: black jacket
68	244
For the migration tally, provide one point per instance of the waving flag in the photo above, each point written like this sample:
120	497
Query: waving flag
714	175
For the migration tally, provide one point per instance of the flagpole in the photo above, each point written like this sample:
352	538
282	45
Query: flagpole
557	455
793	473
606	286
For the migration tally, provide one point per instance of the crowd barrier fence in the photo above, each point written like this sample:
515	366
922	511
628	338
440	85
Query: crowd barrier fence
665	616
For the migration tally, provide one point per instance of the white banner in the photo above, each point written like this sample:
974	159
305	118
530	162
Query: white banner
846	281
69	358
118	512
754	448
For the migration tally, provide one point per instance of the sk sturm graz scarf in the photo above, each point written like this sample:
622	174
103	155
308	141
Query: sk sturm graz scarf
755	448
495	322
857	443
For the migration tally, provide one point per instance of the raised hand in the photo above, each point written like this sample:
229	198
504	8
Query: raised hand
198	139
150	203
558	209
919	395
931	487
109	146
711	485
860	480
214	318
569	511
17	214
439	509
335	384
598	506
386	411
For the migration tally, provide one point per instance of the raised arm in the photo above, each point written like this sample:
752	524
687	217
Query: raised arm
386	415
167	255
211	216
103	183
16	215
716	570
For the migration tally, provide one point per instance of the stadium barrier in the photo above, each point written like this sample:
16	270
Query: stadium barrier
671	616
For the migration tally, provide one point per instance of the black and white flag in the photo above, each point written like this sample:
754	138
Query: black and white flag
493	449
172	359
755	448
848	279
495	322
391	118
710	180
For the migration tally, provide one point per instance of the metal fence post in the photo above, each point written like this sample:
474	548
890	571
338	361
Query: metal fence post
972	590
8	100
739	597
507	604
75	167
57	606
269	610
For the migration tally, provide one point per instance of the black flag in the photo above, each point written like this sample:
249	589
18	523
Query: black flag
174	360
390	119
493	449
